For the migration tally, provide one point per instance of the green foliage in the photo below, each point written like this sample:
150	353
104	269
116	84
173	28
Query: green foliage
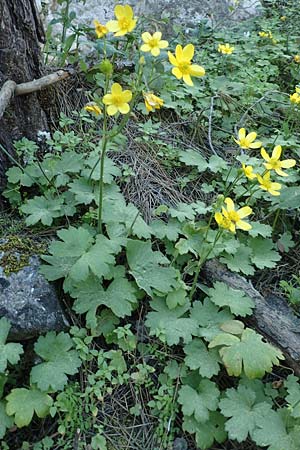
23	403
9	352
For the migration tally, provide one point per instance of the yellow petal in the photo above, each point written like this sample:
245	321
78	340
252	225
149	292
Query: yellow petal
155	51
145	48
179	52
172	59
119	11
242	133
112	110
128	12
243	225
281	173
229	203
251	137
116	89
264	154
197	71
218	218
288	163
187	79
126	96
277	152
112	26
272	192
276	186
107	99
256	144
232	227
146	37
244	212
157	35
124	109
121	32
188	52
163	44
177	73
132	25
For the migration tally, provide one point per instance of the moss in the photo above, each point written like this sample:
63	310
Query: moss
16	252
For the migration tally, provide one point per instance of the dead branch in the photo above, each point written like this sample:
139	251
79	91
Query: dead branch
10	88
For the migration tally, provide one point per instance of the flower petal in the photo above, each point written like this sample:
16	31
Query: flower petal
155	51
218	218
256	144
157	35
288	163
119	11
242	133
124	108
177	73
188	51
163	44
197	71
145	48
264	154
281	173
132	25
229	203
112	110
107	99
172	59
277	152
242	225
179	52
251	137
187	79
128	12
116	89
146	37
126	96
112	26
244	212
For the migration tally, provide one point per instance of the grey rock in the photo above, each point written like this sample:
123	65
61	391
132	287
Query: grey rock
30	303
180	444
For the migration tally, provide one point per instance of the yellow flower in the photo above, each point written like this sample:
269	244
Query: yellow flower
125	22
248	172
283	18
230	219
265	34
183	64
225	49
274	163
247	141
101	30
295	98
152	102
297	58
117	100
266	184
93	108
153	43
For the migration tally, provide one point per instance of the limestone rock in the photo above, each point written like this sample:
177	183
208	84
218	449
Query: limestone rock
30	302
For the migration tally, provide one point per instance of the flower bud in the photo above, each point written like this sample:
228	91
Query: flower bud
106	67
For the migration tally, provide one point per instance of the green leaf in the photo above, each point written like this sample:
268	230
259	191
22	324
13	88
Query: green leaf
240	261
199	402
209	318
289	198
78	255
23	403
182	212
176	298
217	164
237	301
285	243
151	270
244	411
293	398
263	253
5	421
60	360
9	353
120	297
166	230
260	229
110	169
43	209
272	430
83	190
207	432
193	158
246	352
201	359
170	325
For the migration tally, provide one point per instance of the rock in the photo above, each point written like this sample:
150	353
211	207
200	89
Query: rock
187	13
30	302
180	444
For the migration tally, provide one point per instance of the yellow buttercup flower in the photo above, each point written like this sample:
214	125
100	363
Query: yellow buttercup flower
225	49
117	100
295	98
283	18
93	108
248	172
101	30
153	43
274	163
267	185
152	102
297	58
231	219
265	34
183	64
247	141
125	22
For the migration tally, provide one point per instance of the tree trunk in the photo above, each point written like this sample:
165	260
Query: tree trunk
21	33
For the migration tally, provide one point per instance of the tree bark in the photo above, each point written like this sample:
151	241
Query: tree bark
21	32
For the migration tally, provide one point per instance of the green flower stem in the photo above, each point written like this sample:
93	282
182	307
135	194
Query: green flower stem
201	261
